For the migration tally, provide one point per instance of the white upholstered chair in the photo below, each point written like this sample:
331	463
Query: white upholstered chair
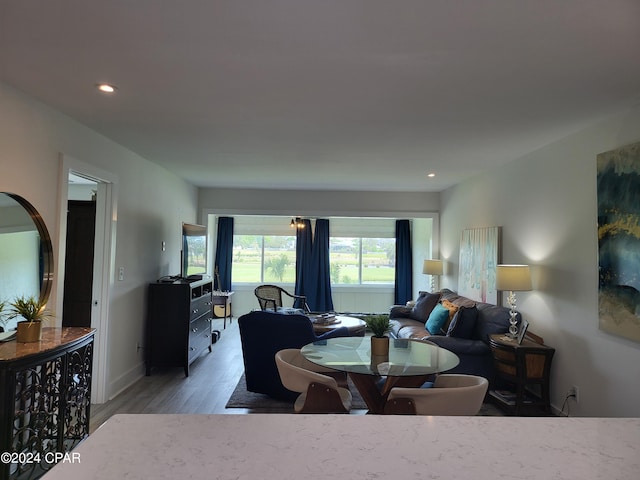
319	393
451	394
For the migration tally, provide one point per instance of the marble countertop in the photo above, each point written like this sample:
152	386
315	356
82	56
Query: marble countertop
289	446
52	338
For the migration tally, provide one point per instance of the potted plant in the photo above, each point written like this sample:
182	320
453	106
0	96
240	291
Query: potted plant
33	313
379	325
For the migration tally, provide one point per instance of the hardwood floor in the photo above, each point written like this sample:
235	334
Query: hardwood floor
212	378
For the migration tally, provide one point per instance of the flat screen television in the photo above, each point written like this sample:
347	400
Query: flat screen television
194	250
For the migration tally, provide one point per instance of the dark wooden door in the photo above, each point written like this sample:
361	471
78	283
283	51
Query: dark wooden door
78	269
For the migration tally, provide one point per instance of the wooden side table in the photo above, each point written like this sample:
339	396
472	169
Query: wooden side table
222	306
525	368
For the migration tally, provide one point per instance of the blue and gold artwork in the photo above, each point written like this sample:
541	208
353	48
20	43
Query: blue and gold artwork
619	241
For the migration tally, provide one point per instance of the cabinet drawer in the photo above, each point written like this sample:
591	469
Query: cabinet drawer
199	306
198	343
199	326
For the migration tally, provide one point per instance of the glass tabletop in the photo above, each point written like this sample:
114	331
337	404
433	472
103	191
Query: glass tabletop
406	357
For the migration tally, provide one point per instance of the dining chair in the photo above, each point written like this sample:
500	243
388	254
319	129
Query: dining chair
270	297
319	393
451	394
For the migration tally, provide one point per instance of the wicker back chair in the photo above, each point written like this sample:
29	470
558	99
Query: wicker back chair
270	297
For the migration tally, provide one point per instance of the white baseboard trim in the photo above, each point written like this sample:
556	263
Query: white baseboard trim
125	380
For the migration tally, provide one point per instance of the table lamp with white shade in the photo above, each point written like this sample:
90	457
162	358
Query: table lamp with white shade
513	278
433	268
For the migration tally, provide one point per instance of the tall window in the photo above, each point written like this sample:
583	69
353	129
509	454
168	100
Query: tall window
362	260
264	259
362	251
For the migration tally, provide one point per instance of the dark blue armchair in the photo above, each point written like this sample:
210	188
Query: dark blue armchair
262	335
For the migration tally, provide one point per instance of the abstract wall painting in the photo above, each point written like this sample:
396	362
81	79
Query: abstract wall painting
479	256
619	241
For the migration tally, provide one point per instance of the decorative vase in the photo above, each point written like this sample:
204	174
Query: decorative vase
379	346
380	364
29	332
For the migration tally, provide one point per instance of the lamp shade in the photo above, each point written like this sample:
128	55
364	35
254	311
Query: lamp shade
516	278
432	267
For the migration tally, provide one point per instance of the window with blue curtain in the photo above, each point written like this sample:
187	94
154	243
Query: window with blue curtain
404	260
304	251
224	254
318	290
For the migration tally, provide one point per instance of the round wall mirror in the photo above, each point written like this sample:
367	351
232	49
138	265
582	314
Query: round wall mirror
26	254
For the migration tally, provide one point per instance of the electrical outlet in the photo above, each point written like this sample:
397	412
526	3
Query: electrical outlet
574	392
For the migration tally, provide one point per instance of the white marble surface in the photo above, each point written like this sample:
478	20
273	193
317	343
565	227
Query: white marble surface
274	446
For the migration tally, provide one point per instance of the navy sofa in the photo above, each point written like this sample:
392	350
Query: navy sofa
263	333
470	344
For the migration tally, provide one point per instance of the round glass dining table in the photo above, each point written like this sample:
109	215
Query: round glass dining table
409	364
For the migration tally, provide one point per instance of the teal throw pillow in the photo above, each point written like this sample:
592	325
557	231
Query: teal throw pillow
437	318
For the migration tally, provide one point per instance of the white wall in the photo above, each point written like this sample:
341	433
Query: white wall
152	203
546	204
423	243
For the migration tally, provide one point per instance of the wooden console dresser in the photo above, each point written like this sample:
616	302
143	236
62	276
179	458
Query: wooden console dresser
45	398
178	323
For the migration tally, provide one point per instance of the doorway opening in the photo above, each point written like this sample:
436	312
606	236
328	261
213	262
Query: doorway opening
98	267
80	249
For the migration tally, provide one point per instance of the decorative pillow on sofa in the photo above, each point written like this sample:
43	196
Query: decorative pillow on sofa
424	305
453	309
438	317
463	323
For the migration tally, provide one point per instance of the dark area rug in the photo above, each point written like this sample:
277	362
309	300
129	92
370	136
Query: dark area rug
241	398
260	403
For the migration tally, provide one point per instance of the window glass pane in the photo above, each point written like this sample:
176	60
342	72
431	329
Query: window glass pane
260	241
279	259
247	259
378	260
357	261
344	258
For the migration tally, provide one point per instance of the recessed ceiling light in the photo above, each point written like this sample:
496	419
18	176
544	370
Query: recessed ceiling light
106	87
431	175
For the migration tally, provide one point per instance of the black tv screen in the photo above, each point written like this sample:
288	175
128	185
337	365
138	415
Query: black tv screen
194	250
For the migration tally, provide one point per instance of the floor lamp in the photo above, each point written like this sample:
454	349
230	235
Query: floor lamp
513	278
433	268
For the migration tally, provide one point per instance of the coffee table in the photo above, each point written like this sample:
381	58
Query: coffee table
354	325
410	363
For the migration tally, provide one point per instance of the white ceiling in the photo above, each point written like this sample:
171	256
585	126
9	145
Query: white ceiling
327	94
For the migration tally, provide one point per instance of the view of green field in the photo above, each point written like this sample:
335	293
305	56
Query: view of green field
378	260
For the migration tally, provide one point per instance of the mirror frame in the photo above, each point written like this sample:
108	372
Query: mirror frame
45	243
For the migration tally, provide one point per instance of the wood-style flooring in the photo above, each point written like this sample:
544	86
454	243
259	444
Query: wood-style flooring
211	381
